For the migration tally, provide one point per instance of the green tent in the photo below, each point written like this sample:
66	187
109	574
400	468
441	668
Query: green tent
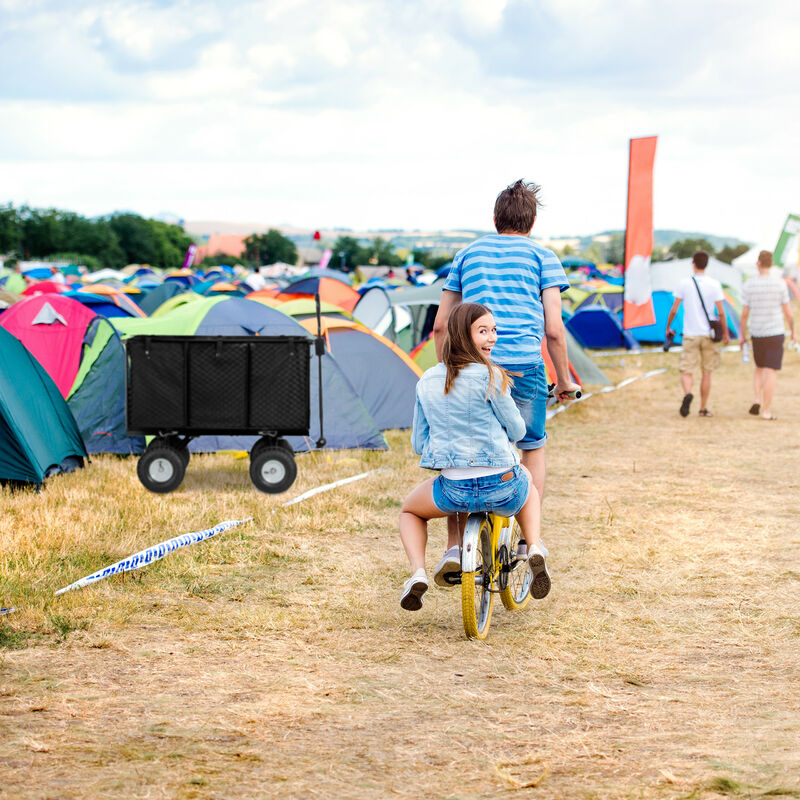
38	434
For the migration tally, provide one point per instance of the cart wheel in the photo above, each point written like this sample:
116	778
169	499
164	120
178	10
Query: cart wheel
185	455
161	469
272	469
265	441
283	443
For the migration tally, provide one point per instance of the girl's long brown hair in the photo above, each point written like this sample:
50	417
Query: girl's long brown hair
459	350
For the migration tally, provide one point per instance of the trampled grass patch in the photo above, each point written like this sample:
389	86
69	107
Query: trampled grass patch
274	660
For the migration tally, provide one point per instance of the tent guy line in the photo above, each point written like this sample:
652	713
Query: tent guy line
656	351
551	412
328	486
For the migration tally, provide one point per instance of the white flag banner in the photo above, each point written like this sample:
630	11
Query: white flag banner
154	553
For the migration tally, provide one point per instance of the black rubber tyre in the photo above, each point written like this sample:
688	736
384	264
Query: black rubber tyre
161	468
272	469
283	443
181	445
267	442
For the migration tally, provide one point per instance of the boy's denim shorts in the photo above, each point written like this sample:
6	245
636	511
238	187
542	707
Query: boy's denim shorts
504	498
530	394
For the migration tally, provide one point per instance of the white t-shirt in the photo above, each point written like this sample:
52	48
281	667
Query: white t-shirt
694	320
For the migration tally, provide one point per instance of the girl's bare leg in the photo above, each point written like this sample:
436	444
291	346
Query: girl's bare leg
529	516
417	509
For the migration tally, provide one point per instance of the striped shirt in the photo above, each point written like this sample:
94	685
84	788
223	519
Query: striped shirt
764	295
507	274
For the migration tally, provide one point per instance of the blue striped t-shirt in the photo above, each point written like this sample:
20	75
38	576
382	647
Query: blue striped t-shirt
507	274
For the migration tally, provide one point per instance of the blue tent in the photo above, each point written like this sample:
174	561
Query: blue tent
38	435
158	295
97	398
662	303
597	328
100	304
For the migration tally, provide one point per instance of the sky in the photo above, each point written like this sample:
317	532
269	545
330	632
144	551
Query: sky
373	114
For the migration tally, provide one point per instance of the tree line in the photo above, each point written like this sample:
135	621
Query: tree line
613	251
110	241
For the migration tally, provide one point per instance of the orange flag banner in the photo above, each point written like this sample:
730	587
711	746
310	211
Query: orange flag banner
638	306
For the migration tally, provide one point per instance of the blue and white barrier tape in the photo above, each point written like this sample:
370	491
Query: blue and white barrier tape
7	610
551	412
151	554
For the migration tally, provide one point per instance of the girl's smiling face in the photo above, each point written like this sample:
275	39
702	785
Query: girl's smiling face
484	334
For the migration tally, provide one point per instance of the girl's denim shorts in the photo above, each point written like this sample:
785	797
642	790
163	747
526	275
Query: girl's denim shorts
504	498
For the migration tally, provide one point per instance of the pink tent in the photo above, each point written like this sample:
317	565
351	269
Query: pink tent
52	328
45	287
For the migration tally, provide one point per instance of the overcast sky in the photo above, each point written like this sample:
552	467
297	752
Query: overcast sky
402	114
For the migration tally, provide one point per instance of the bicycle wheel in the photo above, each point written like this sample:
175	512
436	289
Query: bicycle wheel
476	587
516	594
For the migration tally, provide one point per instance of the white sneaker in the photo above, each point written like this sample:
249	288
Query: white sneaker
414	588
540	577
521	553
448	566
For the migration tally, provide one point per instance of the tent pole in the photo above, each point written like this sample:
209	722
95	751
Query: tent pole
319	347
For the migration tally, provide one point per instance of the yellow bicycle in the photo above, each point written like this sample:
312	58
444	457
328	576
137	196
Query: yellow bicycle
490	565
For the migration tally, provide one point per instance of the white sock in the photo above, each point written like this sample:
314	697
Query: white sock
420	573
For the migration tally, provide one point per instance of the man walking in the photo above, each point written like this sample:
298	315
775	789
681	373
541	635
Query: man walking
763	299
702	297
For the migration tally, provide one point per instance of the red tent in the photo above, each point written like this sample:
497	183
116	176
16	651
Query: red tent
52	329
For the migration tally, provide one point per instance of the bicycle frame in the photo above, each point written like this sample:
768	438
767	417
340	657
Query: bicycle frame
500	537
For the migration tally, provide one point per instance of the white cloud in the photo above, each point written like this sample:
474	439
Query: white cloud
370	113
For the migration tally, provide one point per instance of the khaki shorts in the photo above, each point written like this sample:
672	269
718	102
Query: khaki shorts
699	351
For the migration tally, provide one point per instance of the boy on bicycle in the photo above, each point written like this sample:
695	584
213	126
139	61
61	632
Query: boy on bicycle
520	282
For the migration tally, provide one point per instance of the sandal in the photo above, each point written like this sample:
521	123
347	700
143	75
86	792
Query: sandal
755	409
704	412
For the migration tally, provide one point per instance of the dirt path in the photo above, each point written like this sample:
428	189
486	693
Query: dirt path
664	664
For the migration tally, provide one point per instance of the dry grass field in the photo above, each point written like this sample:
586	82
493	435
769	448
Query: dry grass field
275	661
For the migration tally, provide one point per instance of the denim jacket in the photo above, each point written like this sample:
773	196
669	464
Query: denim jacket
462	428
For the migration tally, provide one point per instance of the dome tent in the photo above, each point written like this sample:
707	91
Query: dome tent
38	435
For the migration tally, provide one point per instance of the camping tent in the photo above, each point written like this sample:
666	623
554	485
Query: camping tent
666	275
82	353
596	327
331	290
97	397
52	328
158	295
384	377
38	436
662	303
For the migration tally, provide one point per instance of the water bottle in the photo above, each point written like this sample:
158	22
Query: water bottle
745	352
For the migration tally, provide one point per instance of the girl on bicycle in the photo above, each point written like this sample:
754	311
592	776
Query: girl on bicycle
465	425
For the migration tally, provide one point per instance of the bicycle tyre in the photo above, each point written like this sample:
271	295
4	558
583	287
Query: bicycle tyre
476	588
517	594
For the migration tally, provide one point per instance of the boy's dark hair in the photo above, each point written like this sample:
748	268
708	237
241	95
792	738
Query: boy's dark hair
765	258
515	208
700	259
459	350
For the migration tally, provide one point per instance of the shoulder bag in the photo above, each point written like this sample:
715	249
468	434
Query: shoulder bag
714	324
